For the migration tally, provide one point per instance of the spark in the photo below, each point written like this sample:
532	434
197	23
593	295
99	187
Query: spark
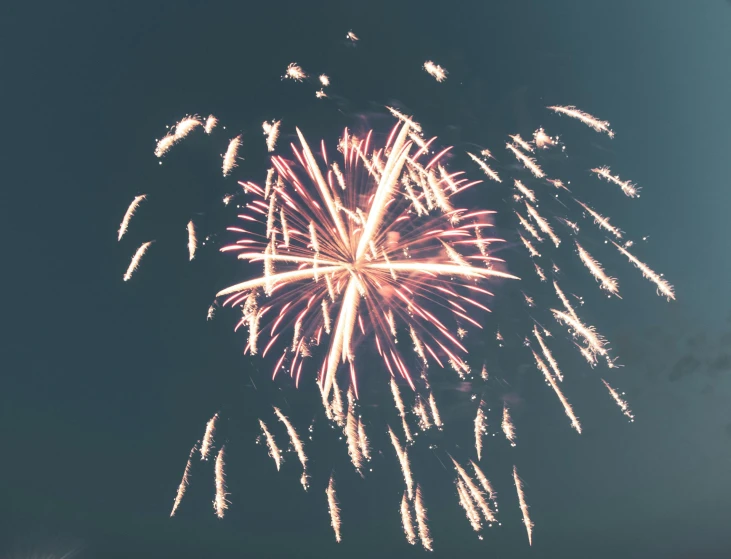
320	94
192	241
164	145
601	221
528	162
183	482
547	354
420	411
403	459
507	425
294	72
324	80
595	342
539	272
434	411
484	374
558	183
480	429
220	503
297	444
475	493
627	187
623	405
543	140
528	227
211	312
365	448
486	485
468	506
586	118
542	224
136	260
407	520
566	406
525	191
523	506
211	123
274	451
186	126
663	287
521	142
435	71
208	437
271	131
334	508
565	302
229	159
420	509
608	283
461	333
485	167
351	435
401	409
352	36
128	215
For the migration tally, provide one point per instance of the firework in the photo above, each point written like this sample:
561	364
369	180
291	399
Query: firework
320	94
525	191
401	409
220	503
474	492
566	406
297	444
136	260
435	71
507	426
523	506
324	80
601	221
332	503
183	482
480	429
419	409
211	312
351	36
211	123
663	287
294	72
485	167
486	485
595	342
274	451
547	354
627	187
543	140
271	131
128	215
208	437
434	411
403	459
420	509
407	519
528	162
164	145
469	507
192	241
596	270
621	402
229	159
586	118
542	224
352	437
365	448
186	126
521	143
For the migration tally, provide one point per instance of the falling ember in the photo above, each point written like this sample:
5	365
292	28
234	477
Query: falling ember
434	411
164	145
521	142
365	448
297	444
528	162
271	131
407	520
474	493
566	406
480	429
623	405
595	341
192	241
351	437
183	482
420	509
523	506
274	451
294	72
211	123
484	374
486	485
211	312
663	287
332	504
608	283
229	159
542	224
485	167
403	459
324	80
469	507
220	503
208	436
401	409
547	354
136	260
601	221
507	426
586	118
352	36
627	187
128	215
320	94
435	71
186	126
543	140
525	191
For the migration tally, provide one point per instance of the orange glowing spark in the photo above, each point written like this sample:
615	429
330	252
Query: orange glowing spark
525	191
229	159
220	503
420	509
435	71
466	501
403	459
136	260
566	406
297	444
271	131
474	492
601	221
324	80
480	429
183	482
294	72
485	167
211	123
547	354
608	283
521	142
543	140
274	451
352	36
565	301
542	224
365	448
407	520
192	241
663	287
507	425
164	145
128	215
486	485
208	436
627	187
528	162
332	504
434	411
539	272
523	506
528	227
623	405
186	126
586	118
401	409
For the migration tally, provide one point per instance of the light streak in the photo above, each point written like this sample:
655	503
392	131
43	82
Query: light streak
407	520
566	406
211	123
627	187
274	451
208	437
586	118
183	482
220	503
663	287
435	71
485	167
523	506
507	426
421	521
547	354
528	162
192	241
332	503
298	446
480	429
136	260
271	131
403	459
128	215
608	283
229	159
621	402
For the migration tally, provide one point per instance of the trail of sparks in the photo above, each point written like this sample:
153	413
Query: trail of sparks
435	412
401	409
486	485
192	241
183	482
128	215
435	71
542	224
229	159
523	506
485	167
528	162
421	521
351	436
211	123
469	507
475	493
586	118
547	354
271	131
208	437
403	459
521	142
407	520
480	429
608	283
220	503
298	446
334	508
365	448
627	187
294	72
186	126
274	451
352	36
601	221
566	406
595	342
663	287
507	426
136	260
621	402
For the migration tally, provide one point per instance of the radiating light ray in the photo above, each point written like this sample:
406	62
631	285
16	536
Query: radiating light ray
627	187
435	71
229	158
271	131
133	265
547	354
407	520
507	425
208	437
485	167
403	459
608	283
421	521
128	215
566	406
621	402
211	123
274	451
586	118
220	503
192	240
523	506
297	444
663	287
480	429
528	162
334	508
183	482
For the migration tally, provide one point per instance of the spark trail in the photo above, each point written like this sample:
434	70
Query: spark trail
627	187
128	215
547	354
480	429
407	520
421	521
334	507
403	459
192	241
208	437
523	506
507	426
621	402
608	283
136	260
435	71
220	503
663	287
297	444
274	451
229	158
566	406
183	482
586	118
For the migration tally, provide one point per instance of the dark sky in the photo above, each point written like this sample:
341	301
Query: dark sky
105	385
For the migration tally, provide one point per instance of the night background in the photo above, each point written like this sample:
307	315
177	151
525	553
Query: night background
106	384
